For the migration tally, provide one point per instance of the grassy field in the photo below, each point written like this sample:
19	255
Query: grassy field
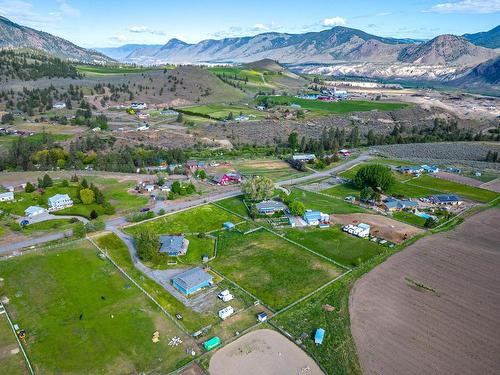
200	219
222	111
274	169
276	271
335	244
235	204
104	70
345	106
49	225
465	191
10	363
106	327
342	190
6	140
116	193
329	205
251	80
409	218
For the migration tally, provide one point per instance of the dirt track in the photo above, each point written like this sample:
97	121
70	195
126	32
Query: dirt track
400	328
381	226
262	352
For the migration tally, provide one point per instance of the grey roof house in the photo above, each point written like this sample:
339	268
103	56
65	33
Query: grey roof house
173	245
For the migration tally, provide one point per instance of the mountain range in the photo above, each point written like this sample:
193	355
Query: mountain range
16	36
339	44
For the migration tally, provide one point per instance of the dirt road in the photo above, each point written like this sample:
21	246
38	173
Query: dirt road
434	308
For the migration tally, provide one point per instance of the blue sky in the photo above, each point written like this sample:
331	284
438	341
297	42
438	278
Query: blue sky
103	23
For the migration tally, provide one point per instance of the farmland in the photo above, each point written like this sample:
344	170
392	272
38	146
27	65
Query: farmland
257	261
111	321
434	283
200	219
221	111
276	170
341	107
105	70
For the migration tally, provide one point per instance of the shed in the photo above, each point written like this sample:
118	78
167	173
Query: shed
228	225
192	280
212	343
262	316
319	336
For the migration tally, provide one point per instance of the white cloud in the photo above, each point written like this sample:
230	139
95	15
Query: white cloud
22	12
260	27
334	21
67	9
467	6
119	38
139	29
382	14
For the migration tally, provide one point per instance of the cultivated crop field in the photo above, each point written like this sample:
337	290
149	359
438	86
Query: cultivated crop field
346	106
82	316
444	293
205	219
276	271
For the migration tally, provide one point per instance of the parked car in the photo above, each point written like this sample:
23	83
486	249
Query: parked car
145	209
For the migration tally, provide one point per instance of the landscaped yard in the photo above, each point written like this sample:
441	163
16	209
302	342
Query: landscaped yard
446	186
273	269
335	244
200	219
82	316
323	203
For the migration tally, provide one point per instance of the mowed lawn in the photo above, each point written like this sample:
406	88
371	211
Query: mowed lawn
323	203
200	219
11	363
276	170
235	204
335	244
465	191
273	269
82	316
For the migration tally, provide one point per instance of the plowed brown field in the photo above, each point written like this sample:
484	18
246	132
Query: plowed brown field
451	325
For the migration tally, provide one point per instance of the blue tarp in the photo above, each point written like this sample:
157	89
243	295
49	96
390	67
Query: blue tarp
318	337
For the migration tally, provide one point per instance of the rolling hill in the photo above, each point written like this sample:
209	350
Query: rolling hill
489	39
14	36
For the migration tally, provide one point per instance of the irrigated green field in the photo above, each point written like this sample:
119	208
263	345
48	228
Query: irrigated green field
465	191
276	271
82	316
323	203
335	244
222	111
345	106
104	70
200	219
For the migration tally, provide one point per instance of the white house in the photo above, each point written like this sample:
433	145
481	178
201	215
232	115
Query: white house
59	105
149	188
9	196
304	157
139	105
33	211
59	201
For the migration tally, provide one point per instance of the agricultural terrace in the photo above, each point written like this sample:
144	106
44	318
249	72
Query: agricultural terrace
324	203
82	316
276	271
221	111
335	244
325	108
11	358
202	219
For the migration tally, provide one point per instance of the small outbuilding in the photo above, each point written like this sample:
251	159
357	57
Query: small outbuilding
228	225
262	316
8	196
212	343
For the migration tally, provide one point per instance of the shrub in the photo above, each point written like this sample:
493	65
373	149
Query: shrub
87	196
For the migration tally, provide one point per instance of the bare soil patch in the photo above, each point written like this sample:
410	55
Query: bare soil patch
492	185
262	352
381	226
448	321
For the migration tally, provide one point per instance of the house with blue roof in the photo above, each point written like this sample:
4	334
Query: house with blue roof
270	207
315	217
191	281
393	204
446	199
430	168
173	245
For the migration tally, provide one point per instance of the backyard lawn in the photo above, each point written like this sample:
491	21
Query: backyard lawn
335	244
409	218
274	270
82	316
200	219
323	203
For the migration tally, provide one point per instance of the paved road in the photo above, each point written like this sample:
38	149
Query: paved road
34	242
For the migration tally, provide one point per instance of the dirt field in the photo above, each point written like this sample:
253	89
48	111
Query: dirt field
381	226
450	322
262	352
458	178
492	185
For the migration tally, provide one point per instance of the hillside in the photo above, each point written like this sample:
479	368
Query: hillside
119	53
337	45
484	76
488	39
14	36
446	50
